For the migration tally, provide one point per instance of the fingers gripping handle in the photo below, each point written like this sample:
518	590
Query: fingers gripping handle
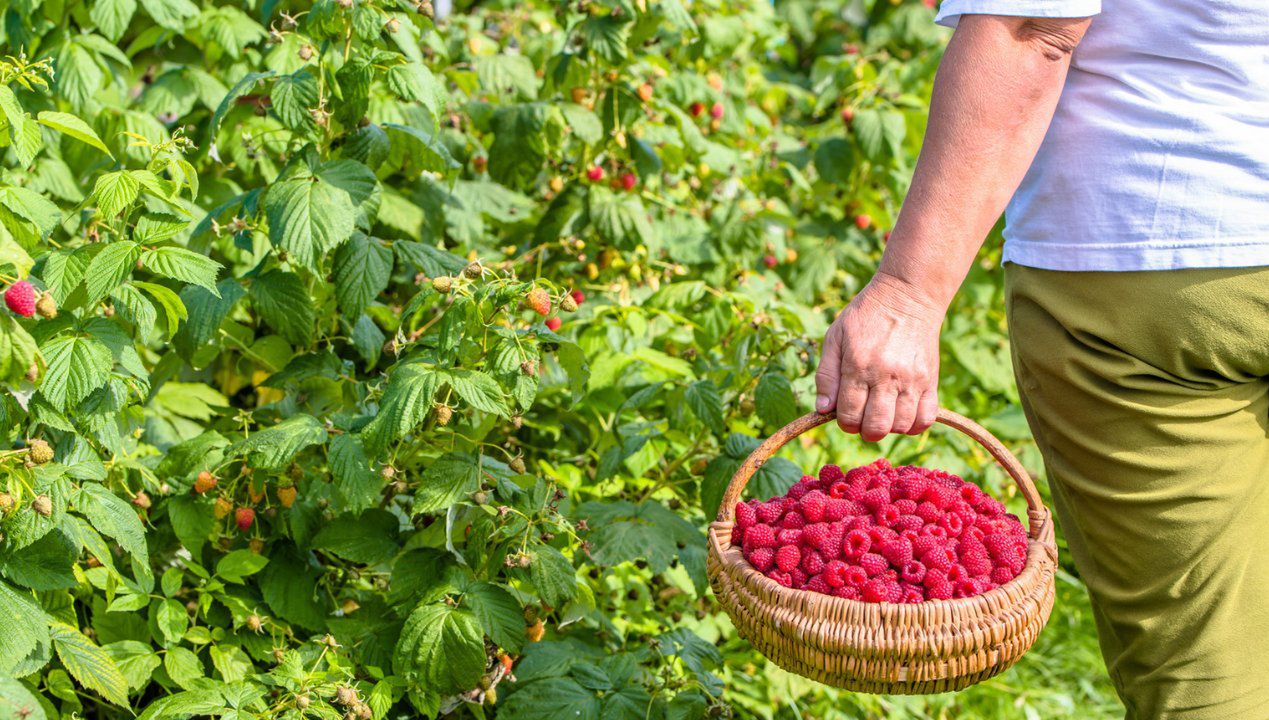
772	445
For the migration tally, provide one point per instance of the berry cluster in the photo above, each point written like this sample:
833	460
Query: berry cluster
883	534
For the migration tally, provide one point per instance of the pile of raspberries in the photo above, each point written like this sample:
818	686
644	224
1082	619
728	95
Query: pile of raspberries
883	534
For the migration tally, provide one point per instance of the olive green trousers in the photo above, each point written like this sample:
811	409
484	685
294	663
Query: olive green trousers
1148	394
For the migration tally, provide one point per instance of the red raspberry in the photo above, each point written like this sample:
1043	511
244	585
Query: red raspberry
832	546
596	173
745	516
886	516
813	504
940	558
784	579
883	479
897	551
951	522
873	564
553	324
815	534
989	506
770	512
859	476
957	572
789	537
909	523
971	493
939	591
894	592
831	474
911	486
792	521
875	591
974	532
797	491
913	572
762	558
737	535
940	495
244	517
862	522
812	562
857	543
839	489
880	534
788	557
875	498
20	297
760	536
629	181
912	596
578	296
850	592
905	506
799	577
855	576
1002	575
817	584
934	531
835	573
976	562
998	545
928	513
924	544
835	509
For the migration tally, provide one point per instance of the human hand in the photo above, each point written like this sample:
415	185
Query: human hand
879	367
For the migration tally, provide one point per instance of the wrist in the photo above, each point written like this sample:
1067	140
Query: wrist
909	297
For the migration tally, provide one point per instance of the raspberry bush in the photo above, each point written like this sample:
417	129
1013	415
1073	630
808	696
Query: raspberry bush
360	362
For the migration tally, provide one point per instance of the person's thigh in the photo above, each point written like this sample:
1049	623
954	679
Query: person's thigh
1146	393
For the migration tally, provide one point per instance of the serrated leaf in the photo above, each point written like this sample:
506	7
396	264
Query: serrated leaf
357	482
368	538
240	564
114	192
206	312
22	626
498	612
109	267
449	478
478	390
71	125
45	564
706	404
284	303
273	448
620	219
76	366
444	646
292	97
17	349
170	14
135	660
17	703
112	515
32	207
308	218
774	400
405	403
552	575
89	664
361	269
184	265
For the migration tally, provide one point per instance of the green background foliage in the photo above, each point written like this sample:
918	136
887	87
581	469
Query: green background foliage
242	210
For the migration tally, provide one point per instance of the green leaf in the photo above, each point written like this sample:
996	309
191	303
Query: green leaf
289	586
114	192
17	703
22	627
275	447
292	97
46	564
358	483
368	538
523	135
135	660
31	207
706	404
171	14
109	267
774	400
17	349
77	366
414	81
71	125
498	612
606	36
173	308
207	311
308	218
505	74
405	402
89	664
361	269
552	698
240	88
477	389
184	667
112	515
553	575
184	265
443	646
448	479
284	303
240	564
620	219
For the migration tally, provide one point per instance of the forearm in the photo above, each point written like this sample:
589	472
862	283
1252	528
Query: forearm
994	96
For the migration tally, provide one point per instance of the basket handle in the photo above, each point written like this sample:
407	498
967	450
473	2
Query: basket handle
769	447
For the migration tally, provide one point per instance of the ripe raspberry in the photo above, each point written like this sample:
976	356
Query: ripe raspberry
244	517
799	489
832	546
976	561
855	576
886	516
998	545
760	536
812	562
628	181
793	521
875	591
873	564
971	494
897	551
789	537
939	558
927	512
762	558
539	301
935	531
769	512
831	474
850	592
881	534
836	509
939	591
20	297
913	572
745	516
798	577
857	542
964	588
884	479
578	296
737	535
817	584
553	324
894	591
716	111
595	174
905	506
924	544
940	495
1002	575
951	522
989	507
911	486
956	573
696	109
875	498
835	573
974	532
912	596
839	489
815	535
813	505
862	522
909	523
784	579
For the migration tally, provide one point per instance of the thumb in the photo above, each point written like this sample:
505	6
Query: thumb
828	377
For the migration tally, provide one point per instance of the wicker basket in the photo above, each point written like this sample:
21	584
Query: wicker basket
931	647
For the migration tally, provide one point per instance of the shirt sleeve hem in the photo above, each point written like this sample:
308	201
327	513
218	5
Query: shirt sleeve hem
950	11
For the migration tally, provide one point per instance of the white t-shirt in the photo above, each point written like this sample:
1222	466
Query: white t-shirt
1158	155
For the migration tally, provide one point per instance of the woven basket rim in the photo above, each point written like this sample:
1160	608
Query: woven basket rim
1039	554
